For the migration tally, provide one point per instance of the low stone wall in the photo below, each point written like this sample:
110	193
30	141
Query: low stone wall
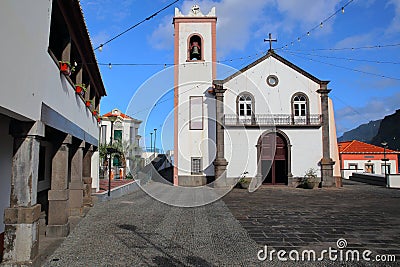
118	191
372	179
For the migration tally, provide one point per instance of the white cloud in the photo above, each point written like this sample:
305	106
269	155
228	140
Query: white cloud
100	38
351	117
241	21
395	25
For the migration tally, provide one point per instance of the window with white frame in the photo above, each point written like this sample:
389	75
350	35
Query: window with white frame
353	166
196	166
299	106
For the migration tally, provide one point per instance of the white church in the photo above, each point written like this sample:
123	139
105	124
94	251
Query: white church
270	120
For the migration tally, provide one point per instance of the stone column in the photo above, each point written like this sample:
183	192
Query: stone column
58	224
326	161
21	237
76	184
87	177
220	162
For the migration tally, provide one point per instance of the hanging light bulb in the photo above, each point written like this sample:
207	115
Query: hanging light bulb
308	33
101	47
109	66
298	39
321	25
343	9
75	64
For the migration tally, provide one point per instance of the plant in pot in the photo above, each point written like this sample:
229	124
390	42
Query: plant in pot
65	67
309	180
88	103
80	89
95	112
244	182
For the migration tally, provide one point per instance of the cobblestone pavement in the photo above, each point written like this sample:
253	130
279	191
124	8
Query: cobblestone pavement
136	230
367	217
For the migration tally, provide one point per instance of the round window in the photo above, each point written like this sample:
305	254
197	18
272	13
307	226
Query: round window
272	80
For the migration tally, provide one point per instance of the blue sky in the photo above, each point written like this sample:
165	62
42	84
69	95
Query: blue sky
359	91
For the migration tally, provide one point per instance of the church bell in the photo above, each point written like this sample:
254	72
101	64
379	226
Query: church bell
195	51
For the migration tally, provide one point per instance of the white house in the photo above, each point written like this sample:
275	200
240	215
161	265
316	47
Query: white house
271	120
125	129
48	131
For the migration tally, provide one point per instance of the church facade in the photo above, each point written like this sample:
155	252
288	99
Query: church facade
271	120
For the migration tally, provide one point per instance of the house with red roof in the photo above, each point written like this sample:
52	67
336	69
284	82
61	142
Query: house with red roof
356	156
119	127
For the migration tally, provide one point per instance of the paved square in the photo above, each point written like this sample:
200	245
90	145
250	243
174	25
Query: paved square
368	217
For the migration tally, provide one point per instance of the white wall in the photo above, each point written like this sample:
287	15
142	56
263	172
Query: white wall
95	171
240	143
28	74
377	166
241	151
195	78
6	152
272	100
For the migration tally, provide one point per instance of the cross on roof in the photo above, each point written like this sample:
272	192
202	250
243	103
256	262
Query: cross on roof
270	40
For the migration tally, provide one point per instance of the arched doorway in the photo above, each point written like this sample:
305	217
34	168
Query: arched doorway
273	163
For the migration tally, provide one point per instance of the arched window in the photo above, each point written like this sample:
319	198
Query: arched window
300	108
245	108
195	46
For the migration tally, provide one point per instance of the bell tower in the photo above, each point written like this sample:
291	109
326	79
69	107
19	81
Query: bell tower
194	106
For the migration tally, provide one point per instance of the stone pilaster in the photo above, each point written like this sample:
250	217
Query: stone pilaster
21	237
76	185
220	162
58	223
87	179
326	161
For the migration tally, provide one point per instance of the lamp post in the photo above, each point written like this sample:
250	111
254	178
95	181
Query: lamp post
384	144
110	150
151	142
155	136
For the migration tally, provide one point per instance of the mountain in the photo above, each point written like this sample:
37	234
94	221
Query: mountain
389	131
364	133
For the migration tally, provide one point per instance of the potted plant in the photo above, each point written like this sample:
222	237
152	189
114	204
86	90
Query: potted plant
65	67
95	112
88	103
80	89
309	180
244	183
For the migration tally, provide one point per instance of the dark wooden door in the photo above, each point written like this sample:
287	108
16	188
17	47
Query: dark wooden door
273	161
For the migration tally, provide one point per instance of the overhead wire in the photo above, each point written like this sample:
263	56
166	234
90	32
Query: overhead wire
137	24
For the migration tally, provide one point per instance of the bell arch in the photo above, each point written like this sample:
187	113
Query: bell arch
195	47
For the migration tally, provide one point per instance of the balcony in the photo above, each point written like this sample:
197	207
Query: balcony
278	120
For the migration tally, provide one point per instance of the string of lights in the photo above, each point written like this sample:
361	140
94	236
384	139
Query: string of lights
345	58
100	47
343	67
320	25
378	46
345	48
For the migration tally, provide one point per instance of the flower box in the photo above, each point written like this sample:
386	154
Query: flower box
65	67
94	112
88	103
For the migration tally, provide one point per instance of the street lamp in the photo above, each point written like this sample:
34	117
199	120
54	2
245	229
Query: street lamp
155	136
151	142
384	144
110	150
